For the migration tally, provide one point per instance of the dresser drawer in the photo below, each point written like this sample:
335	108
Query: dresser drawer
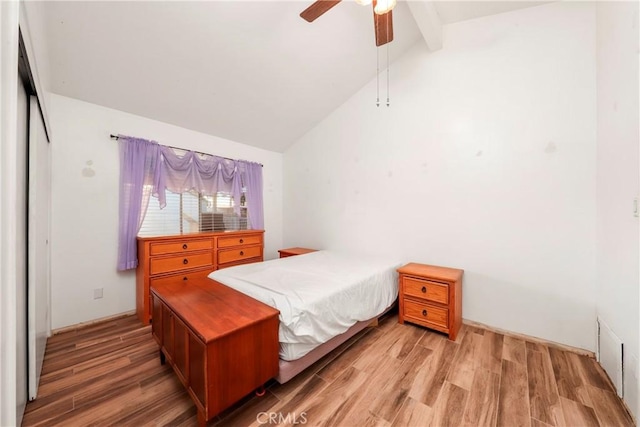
242	261
183	262
424	289
233	255
426	314
229	241
178	246
180	277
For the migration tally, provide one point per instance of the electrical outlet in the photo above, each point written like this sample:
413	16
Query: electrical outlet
635	207
97	293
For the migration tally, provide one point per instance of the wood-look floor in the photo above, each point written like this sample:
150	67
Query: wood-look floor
392	375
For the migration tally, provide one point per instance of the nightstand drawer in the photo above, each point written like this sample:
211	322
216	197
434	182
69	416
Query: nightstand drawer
425	313
233	255
180	246
183	262
226	242
424	289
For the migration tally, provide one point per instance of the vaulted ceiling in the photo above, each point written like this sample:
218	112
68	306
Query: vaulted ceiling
249	71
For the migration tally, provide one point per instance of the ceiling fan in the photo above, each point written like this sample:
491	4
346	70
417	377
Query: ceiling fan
382	18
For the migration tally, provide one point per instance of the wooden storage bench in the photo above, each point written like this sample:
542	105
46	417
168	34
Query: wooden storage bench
221	343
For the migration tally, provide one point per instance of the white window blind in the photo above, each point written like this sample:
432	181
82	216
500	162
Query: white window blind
190	212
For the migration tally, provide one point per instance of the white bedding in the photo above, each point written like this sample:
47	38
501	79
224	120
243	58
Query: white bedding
319	295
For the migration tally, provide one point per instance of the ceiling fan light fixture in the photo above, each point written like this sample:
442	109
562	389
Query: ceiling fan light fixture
384	6
364	2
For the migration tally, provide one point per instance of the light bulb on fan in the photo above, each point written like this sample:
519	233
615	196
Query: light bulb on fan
384	6
364	2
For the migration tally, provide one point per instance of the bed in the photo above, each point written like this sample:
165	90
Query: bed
324	298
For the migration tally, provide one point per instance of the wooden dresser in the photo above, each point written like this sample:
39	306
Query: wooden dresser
167	259
431	296
221	343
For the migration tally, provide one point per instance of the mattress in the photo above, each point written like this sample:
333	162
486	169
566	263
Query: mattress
320	295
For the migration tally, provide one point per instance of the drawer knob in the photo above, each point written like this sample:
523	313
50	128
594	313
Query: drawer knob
424	289
424	313
241	240
185	278
184	246
241	253
185	261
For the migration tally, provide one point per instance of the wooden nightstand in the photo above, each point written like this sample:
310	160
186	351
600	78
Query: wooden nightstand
295	251
431	296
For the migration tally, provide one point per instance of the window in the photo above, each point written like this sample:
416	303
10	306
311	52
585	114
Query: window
191	212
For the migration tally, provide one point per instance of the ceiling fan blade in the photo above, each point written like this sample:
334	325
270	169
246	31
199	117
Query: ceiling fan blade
316	10
383	25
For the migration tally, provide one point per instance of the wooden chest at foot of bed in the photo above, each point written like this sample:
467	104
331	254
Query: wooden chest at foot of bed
221	343
431	296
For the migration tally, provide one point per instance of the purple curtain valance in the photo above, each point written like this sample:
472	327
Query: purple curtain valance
148	168
206	175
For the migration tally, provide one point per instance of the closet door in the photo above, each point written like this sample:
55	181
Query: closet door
38	246
20	252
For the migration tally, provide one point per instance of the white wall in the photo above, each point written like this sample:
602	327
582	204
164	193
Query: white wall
85	209
618	180
485	161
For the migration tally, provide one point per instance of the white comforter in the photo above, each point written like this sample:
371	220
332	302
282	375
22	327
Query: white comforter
320	295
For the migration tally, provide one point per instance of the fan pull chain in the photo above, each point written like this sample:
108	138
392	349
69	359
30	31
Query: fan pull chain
387	74
377	77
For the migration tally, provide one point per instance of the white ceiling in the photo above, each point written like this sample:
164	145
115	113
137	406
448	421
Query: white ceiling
249	71
456	11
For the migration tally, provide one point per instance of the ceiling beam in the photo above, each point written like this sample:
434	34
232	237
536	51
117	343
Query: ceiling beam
426	16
